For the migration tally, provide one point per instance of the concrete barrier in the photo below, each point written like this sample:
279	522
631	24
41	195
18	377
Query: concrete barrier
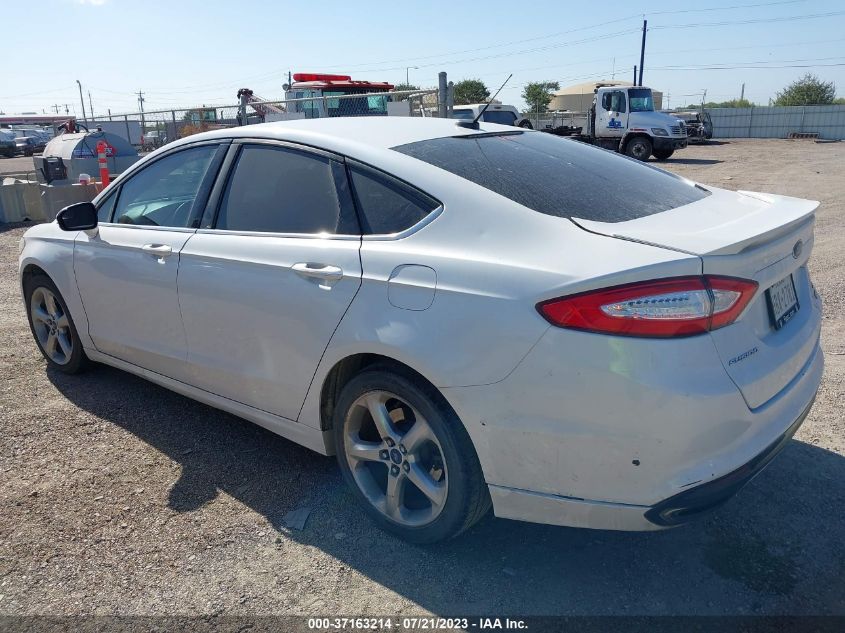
54	199
28	200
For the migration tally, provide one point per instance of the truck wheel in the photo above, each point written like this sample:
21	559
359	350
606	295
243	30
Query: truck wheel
663	154
526	124
638	147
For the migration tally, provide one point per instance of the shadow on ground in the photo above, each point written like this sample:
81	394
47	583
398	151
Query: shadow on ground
8	226
692	161
775	549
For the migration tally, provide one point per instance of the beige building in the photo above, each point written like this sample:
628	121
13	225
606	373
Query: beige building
579	98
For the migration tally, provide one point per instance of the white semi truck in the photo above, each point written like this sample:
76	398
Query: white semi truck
621	118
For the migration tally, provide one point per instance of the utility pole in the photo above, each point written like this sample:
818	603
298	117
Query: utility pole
407	75
441	95
742	92
635	75
90	106
67	109
56	107
613	73
642	53
141	105
82	101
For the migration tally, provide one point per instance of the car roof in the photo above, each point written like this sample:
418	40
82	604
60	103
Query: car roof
339	133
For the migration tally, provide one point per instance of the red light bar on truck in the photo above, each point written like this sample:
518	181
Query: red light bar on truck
319	77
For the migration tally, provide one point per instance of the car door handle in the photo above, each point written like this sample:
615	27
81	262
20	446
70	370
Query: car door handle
158	250
318	271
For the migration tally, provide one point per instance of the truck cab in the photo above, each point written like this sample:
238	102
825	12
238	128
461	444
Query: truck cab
319	95
623	118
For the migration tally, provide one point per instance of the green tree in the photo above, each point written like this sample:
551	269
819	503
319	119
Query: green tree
470	91
538	94
404	86
809	90
733	103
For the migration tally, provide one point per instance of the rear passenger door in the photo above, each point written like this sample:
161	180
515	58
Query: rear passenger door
265	281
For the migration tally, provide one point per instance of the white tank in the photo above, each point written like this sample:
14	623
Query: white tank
77	154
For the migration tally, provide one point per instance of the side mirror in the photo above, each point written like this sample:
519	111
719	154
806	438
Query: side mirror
81	216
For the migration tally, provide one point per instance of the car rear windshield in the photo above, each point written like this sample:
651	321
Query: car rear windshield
557	176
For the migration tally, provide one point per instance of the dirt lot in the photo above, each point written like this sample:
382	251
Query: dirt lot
117	496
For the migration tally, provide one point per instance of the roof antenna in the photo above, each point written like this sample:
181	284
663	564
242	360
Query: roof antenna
473	125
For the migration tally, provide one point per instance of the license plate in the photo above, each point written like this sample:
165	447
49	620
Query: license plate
783	301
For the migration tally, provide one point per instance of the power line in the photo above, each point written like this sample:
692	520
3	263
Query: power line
738	48
792	18
191	89
736	6
514	53
688	68
743	64
584	28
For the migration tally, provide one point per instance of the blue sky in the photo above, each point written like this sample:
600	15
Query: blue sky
190	52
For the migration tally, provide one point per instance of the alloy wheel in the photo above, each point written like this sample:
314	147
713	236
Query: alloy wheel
51	325
395	459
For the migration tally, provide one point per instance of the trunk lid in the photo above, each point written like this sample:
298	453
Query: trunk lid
764	237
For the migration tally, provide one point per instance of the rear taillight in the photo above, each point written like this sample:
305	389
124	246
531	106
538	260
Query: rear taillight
663	308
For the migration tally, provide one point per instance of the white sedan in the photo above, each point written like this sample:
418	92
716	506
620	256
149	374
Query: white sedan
465	315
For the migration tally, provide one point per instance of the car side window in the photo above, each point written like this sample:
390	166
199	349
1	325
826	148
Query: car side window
164	193
279	189
618	101
105	209
386	204
499	116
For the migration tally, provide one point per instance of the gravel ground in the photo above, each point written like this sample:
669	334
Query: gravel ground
119	497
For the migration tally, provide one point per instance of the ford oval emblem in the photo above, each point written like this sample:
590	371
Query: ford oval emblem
796	250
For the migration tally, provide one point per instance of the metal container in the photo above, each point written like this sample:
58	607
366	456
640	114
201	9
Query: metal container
68	155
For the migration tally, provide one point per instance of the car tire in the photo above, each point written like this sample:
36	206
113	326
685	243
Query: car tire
430	490
526	124
638	147
52	326
663	154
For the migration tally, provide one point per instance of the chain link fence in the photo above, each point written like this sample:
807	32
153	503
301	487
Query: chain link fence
152	129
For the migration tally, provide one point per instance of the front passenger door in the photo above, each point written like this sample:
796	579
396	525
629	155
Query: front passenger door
126	273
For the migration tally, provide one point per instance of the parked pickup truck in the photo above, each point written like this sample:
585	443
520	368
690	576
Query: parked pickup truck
8	147
698	123
495	113
623	119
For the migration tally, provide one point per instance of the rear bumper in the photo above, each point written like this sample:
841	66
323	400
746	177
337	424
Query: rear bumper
621	440
524	505
690	504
